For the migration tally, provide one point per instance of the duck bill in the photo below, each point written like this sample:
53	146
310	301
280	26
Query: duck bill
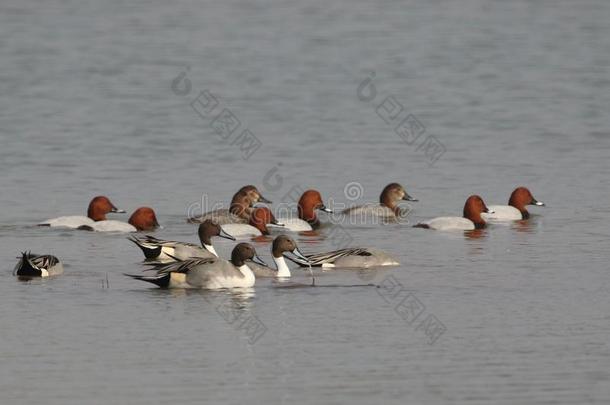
117	211
300	255
536	202
224	234
263	199
256	259
407	197
325	209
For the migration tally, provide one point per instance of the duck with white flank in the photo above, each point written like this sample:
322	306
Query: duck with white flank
209	273
309	203
516	208
472	219
168	250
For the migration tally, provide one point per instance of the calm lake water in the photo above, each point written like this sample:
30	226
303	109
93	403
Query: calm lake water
501	94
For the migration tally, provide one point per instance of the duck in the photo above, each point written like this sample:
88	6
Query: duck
388	208
355	257
31	265
208	273
168	250
473	208
259	220
99	206
309	203
516	208
241	208
281	244
142	219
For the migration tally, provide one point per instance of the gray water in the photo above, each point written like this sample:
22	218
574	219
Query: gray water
512	93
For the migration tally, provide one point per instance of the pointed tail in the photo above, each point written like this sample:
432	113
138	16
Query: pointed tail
160	281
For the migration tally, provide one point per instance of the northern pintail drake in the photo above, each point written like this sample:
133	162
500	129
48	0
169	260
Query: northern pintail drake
169	250
142	219
208	273
259	220
242	206
31	265
281	244
516	208
348	258
472	219
387	208
96	212
309	203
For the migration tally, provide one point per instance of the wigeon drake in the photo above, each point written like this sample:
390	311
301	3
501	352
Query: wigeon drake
31	265
167	250
142	219
516	208
472	219
259	220
388	207
281	245
97	210
242	206
347	258
309	203
210	273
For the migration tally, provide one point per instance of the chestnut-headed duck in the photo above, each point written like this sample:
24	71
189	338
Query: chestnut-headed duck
309	203
347	258
242	206
471	220
208	273
259	220
31	265
98	208
387	208
281	244
168	250
142	219
516	208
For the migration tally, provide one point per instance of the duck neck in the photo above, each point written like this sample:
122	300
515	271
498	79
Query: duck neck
282	267
241	207
210	249
307	213
389	202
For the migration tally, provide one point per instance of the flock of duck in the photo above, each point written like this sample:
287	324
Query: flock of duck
186	265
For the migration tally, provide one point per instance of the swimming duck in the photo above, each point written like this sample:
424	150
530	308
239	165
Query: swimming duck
348	258
388	208
516	208
31	265
242	206
168	250
96	212
308	204
142	219
208	273
472	219
281	244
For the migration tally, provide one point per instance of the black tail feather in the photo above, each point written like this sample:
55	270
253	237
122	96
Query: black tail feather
149	253
160	281
25	267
